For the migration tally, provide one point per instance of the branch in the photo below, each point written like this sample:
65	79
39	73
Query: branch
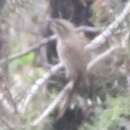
89	29
25	52
101	57
34	89
54	104
107	53
101	39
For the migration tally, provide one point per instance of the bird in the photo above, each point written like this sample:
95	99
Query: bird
71	53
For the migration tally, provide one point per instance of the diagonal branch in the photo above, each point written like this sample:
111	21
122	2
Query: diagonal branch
25	52
101	39
34	89
107	53
54	104
101	57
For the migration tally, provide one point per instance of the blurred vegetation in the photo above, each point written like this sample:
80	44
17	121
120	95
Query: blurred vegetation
23	18
110	118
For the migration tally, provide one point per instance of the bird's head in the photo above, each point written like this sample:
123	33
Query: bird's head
62	28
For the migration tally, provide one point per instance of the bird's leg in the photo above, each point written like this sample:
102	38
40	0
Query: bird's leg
90	86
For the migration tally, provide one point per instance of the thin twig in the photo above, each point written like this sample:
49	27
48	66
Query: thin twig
89	29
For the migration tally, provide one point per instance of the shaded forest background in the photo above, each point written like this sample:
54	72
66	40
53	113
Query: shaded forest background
31	76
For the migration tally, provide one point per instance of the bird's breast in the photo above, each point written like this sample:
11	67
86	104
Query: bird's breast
72	55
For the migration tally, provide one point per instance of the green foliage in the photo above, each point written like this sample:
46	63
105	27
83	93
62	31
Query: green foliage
109	118
25	60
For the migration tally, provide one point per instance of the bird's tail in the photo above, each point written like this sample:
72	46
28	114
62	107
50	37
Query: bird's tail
64	105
